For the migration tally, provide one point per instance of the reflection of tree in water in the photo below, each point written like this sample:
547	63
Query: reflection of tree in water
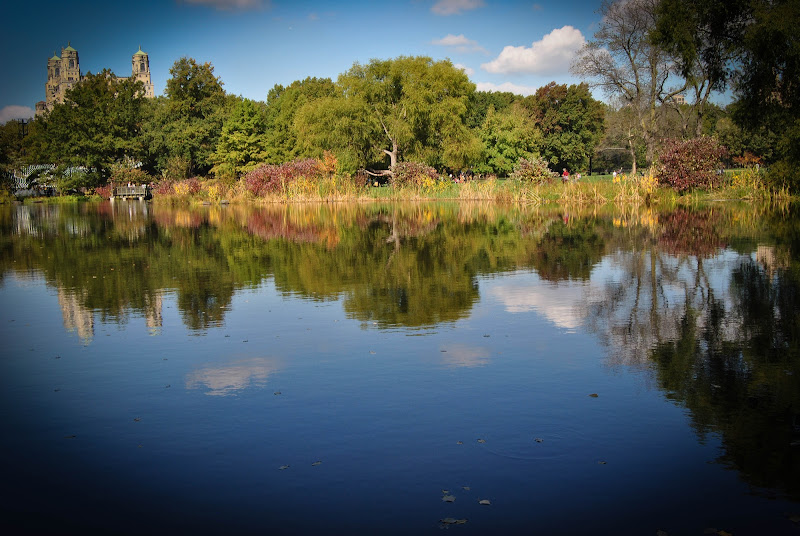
745	385
721	337
569	251
690	232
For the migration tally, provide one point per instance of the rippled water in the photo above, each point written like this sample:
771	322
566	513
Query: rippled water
384	369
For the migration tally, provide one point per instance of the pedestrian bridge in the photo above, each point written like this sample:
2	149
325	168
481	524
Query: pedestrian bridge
140	192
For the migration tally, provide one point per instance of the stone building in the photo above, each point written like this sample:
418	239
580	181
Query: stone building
65	71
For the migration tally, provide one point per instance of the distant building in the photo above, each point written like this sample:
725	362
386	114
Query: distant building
65	71
679	99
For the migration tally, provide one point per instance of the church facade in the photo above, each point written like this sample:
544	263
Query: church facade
65	71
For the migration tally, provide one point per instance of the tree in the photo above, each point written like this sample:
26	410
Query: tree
507	137
183	129
698	37
282	107
96	126
623	61
406	108
242	144
480	102
571	122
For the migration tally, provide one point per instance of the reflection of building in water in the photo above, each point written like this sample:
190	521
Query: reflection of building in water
153	306
77	318
227	379
767	257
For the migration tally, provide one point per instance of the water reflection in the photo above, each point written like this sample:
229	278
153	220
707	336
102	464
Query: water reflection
235	376
703	301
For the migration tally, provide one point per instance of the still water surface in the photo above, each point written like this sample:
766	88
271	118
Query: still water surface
391	369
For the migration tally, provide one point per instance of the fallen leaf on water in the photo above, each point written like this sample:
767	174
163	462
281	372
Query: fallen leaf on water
602	462
794	518
485	502
724	533
316	463
445	491
538	439
481	441
276	393
594	395
452	521
449	498
661	533
465	488
459	442
137	419
282	467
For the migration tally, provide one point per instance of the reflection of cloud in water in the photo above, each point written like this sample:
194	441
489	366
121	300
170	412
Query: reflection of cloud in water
560	304
465	356
235	376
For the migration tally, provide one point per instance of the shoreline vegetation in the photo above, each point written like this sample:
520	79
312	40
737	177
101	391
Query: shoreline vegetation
737	185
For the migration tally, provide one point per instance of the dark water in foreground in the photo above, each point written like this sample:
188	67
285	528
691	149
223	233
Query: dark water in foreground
383	370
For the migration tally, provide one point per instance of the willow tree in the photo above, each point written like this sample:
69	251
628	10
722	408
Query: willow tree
408	108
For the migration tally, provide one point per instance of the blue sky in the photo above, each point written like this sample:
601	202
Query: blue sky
254	44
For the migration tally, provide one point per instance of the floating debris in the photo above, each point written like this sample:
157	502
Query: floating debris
276	393
452	521
449	498
459	442
485	502
70	436
594	395
481	441
137	419
282	467
465	488
167	386
316	463
538	439
602	462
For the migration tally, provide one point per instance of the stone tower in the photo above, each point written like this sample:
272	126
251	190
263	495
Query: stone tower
140	71
62	74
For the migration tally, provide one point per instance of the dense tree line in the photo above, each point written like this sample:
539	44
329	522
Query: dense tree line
417	109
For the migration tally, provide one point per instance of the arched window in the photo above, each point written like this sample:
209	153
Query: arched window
141	66
71	64
58	72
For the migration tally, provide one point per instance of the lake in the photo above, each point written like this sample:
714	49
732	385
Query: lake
399	369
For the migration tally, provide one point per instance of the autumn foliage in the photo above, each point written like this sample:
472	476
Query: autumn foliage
689	164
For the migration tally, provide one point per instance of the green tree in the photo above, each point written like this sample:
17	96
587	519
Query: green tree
480	102
183	129
571	122
242	144
408	108
507	136
97	125
283	104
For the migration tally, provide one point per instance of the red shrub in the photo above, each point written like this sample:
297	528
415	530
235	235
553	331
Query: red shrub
271	179
688	164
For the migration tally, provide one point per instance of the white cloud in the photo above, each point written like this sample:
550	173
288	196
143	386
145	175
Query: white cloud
454	7
469	71
460	43
15	112
553	54
232	5
506	86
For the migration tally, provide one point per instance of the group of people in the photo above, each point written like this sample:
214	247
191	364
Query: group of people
565	176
